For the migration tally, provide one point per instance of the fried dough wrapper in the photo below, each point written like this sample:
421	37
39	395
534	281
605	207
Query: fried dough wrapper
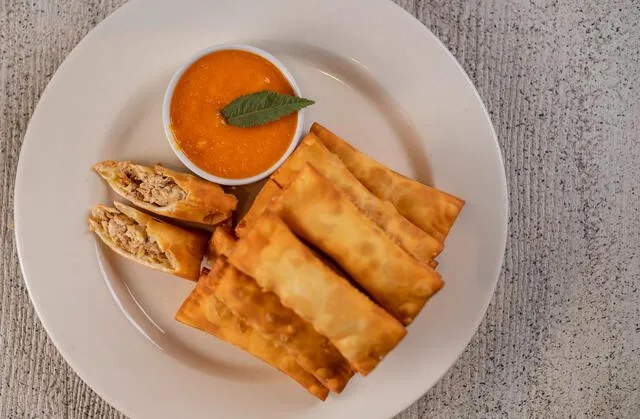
165	192
269	191
280	325
151	242
320	213
265	312
204	311
222	242
411	238
430	209
280	263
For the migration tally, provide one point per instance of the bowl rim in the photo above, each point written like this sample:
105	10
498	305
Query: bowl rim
166	114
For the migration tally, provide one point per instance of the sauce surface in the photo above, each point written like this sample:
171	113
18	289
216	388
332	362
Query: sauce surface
200	131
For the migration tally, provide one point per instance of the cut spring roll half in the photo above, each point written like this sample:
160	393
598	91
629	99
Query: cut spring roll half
430	209
280	325
204	311
151	242
280	263
320	213
168	193
269	191
411	238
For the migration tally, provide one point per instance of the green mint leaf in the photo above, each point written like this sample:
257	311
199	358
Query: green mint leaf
262	107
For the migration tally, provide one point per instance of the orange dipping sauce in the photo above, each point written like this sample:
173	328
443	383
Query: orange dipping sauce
200	131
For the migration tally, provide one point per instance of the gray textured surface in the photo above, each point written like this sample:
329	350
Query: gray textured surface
562	334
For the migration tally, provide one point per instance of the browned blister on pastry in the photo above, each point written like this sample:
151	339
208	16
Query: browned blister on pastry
265	313
430	209
221	243
269	191
320	213
151	242
280	263
204	311
411	238
168	193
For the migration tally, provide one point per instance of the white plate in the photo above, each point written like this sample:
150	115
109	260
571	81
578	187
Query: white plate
380	79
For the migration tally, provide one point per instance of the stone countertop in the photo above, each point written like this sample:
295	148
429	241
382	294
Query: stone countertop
562	334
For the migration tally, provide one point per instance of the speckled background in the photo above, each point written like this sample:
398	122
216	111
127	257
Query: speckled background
562	334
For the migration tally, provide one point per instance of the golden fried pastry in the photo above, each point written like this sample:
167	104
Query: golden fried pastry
204	311
151	242
269	191
411	238
265	313
221	243
320	213
430	209
280	263
168	193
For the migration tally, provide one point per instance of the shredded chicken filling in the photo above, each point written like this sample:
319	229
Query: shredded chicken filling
130	236
147	185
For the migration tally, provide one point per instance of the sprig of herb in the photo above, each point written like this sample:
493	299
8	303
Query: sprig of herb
261	108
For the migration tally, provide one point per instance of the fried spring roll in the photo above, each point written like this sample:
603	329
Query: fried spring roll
269	191
320	213
204	311
265	312
280	263
430	209
168	193
280	325
151	242
411	238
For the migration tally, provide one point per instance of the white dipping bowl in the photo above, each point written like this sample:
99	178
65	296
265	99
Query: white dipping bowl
166	114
